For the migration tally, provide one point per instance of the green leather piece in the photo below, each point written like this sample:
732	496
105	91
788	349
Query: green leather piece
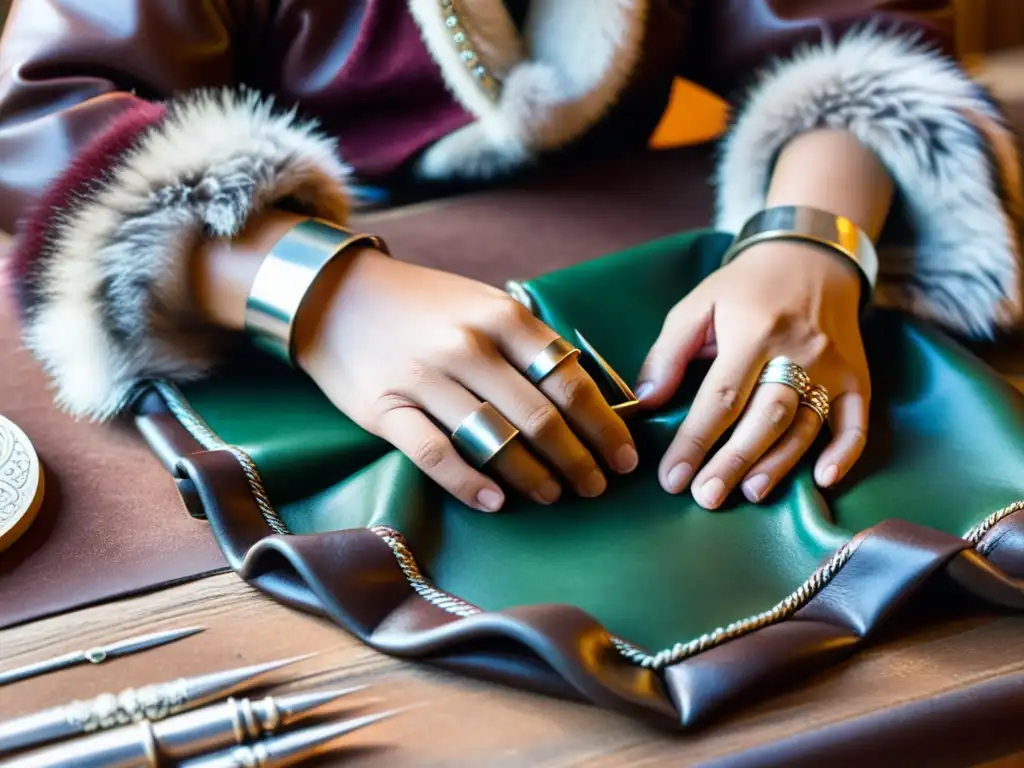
945	450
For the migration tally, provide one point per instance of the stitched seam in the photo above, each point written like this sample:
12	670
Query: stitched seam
456	606
210	441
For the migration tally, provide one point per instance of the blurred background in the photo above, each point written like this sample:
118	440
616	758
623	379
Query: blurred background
989	40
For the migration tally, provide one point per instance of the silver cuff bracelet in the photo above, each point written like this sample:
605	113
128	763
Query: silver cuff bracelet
796	222
285	277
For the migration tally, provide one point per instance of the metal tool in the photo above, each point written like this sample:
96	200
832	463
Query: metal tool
288	748
99	654
109	710
169	741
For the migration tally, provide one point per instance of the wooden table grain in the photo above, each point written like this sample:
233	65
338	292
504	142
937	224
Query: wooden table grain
454	721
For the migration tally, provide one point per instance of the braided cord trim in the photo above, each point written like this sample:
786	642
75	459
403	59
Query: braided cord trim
978	532
419	583
788	606
209	440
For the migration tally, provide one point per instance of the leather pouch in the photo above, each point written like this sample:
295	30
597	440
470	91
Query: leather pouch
638	601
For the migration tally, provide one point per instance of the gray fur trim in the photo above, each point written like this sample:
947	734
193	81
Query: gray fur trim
115	305
949	151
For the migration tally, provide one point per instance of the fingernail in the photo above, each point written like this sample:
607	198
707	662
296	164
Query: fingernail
830	476
625	459
644	390
490	500
678	477
594	485
713	491
756	487
548	492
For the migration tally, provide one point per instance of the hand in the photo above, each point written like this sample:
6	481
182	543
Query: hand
397	347
779	298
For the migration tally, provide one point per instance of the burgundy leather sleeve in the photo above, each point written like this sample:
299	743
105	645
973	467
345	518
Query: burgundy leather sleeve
69	67
731	40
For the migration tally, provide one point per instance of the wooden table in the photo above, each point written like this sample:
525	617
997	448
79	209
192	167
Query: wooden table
455	721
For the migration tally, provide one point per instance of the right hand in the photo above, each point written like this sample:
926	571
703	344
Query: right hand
390	342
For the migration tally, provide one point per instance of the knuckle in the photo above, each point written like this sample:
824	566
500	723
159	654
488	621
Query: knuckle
856	435
542	420
612	434
421	374
390	401
727	400
464	345
507	312
737	461
464	487
693	443
778	413
580	467
431	452
575	390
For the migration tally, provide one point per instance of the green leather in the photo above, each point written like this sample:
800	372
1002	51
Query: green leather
946	449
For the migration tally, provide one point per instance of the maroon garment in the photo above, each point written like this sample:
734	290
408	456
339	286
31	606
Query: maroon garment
360	67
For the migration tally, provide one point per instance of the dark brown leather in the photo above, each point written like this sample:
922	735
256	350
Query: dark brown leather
111	523
353	578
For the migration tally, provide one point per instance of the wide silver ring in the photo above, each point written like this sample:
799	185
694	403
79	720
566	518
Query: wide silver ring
782	370
549	358
816	398
483	434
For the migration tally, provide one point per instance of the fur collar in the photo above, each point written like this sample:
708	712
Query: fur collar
559	79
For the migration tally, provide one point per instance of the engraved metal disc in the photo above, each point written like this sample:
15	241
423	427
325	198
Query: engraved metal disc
21	483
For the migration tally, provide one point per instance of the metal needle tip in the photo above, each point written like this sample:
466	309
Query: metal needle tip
303	704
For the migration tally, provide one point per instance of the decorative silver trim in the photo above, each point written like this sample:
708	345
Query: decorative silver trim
456	606
978	532
208	439
419	583
152	702
455	21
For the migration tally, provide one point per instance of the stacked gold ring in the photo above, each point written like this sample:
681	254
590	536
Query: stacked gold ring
816	398
782	370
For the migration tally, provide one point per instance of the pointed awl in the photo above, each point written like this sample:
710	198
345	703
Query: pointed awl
152	702
98	654
288	748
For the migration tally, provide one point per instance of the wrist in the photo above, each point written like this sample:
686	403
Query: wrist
223	270
330	298
815	263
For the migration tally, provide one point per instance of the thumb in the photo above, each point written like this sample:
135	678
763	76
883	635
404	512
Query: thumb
687	330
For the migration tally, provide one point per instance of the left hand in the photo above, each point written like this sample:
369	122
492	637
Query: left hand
779	298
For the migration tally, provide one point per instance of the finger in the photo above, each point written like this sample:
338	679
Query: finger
520	468
783	456
687	330
719	402
587	410
450	403
411	432
539	421
571	389
848	419
768	415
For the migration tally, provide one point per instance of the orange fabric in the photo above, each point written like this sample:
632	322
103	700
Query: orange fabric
693	115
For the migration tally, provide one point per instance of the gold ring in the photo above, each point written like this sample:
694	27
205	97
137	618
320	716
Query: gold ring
549	358
483	434
816	398
782	370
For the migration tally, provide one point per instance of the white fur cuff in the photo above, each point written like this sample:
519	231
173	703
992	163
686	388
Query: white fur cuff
949	151
115	304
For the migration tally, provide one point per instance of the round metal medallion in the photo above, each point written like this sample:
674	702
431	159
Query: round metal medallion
21	483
